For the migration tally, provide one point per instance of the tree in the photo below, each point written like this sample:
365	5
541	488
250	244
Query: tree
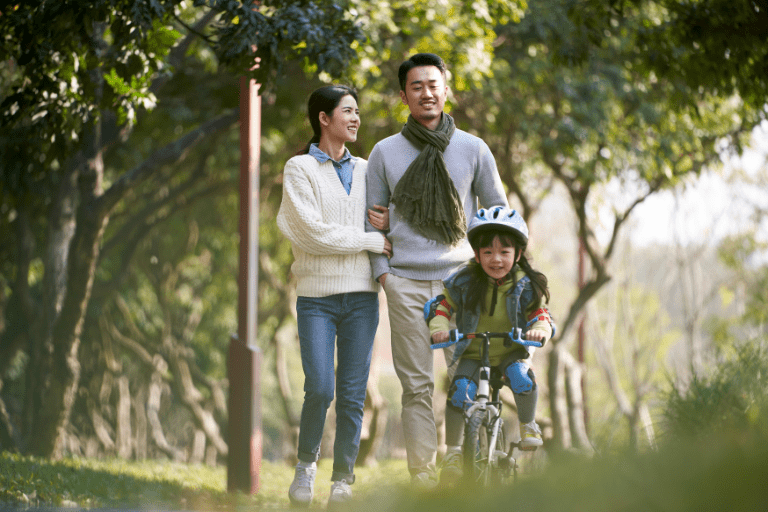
76	78
630	336
598	120
713	46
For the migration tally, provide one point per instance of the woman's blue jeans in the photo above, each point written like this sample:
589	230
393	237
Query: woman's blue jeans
345	322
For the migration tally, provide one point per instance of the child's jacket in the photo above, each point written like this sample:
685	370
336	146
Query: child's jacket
521	311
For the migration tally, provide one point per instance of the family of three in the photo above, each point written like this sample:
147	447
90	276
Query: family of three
407	220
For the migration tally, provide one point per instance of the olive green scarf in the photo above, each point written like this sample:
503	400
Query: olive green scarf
425	196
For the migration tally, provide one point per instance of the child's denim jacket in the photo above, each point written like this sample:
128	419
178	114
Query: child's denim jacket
518	299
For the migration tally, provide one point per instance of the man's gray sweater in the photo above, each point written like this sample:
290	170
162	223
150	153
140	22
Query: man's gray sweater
473	170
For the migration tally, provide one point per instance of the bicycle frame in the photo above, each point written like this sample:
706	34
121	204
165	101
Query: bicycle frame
488	404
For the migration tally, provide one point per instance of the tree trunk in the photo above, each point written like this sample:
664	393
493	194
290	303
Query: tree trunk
69	281
101	427
124	431
374	424
197	453
573	380
558	404
153	415
647	424
140	411
286	396
7	432
192	397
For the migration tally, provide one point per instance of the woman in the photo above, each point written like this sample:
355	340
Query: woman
323	213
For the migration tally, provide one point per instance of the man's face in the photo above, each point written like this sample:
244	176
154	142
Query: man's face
425	93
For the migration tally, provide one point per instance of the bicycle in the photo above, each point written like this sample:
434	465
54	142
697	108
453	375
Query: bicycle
486	459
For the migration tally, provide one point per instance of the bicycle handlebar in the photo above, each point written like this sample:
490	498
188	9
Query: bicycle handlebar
514	336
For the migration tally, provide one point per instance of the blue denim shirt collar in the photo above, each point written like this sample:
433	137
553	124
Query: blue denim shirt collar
322	157
343	167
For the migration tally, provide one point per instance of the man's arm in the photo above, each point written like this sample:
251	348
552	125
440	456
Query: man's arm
377	193
487	182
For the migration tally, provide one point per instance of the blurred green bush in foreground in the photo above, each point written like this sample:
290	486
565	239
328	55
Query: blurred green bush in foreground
713	457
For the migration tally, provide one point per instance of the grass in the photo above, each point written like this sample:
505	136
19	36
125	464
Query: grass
156	485
713	458
714	474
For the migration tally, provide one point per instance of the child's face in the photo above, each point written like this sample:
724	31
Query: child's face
496	259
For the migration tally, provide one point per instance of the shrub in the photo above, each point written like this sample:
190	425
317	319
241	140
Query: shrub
733	399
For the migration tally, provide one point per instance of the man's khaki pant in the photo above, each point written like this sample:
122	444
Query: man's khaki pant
413	358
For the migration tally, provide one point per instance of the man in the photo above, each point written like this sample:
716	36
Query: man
431	175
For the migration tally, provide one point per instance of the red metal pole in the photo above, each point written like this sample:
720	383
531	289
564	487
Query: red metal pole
244	363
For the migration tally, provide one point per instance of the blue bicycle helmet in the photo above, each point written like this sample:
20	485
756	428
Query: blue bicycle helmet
498	218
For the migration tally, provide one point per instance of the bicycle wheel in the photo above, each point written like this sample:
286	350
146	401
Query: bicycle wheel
501	466
475	449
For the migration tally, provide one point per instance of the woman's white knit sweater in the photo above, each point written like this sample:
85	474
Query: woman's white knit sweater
326	228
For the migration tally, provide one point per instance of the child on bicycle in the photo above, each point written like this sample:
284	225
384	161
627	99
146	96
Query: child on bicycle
496	291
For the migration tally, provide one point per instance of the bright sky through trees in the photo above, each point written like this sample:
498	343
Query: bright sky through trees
717	204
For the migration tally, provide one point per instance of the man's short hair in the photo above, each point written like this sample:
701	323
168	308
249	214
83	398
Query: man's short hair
420	59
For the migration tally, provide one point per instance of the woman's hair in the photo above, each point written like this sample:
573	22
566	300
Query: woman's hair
478	285
324	99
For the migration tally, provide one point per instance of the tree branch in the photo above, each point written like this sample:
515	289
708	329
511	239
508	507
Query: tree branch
171	153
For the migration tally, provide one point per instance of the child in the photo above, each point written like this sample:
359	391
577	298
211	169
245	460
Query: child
495	292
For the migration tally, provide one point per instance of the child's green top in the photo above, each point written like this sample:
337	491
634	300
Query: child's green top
498	322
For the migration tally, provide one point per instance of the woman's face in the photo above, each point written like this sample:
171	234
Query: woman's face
496	259
344	121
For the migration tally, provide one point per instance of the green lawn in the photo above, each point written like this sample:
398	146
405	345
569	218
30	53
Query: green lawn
166	485
712	474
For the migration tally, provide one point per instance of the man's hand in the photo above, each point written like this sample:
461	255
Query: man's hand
383	277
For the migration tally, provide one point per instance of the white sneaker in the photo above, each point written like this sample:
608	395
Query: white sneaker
530	436
452	467
340	492
303	485
424	481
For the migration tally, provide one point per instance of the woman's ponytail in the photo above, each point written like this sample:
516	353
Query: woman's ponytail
314	140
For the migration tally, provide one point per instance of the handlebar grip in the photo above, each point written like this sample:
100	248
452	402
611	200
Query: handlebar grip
453	337
517	336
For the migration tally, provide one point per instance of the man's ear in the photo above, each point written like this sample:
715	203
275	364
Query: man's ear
477	257
403	97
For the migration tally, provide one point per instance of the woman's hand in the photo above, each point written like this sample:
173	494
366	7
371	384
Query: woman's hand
387	247
379	219
536	335
440	337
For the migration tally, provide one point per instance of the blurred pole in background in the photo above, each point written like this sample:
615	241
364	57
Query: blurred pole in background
244	363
